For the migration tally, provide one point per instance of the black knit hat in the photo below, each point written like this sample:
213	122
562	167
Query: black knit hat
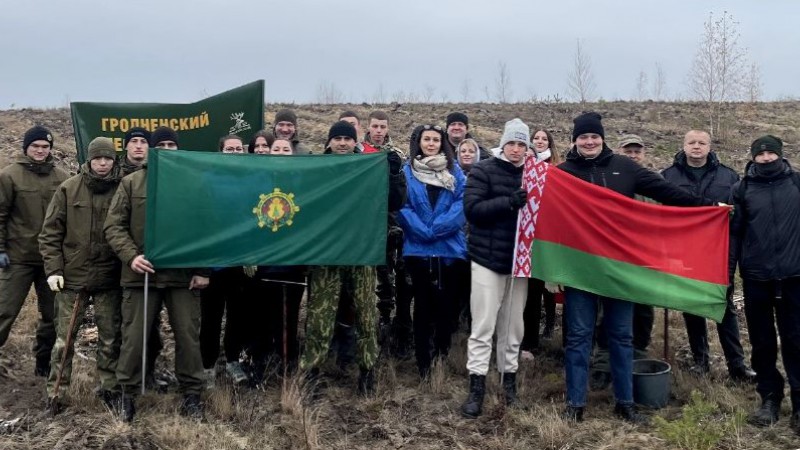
286	115
162	134
342	128
136	132
37	133
457	117
767	143
588	122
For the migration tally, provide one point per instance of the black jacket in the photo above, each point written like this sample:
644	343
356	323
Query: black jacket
715	184
621	174
764	229
492	220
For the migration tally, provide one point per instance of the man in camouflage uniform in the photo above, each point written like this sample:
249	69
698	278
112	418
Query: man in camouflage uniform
394	283
286	128
124	230
26	187
326	283
80	263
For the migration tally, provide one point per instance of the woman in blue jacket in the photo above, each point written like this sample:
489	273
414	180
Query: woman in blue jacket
433	223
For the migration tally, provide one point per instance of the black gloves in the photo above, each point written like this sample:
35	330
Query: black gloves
395	163
518	198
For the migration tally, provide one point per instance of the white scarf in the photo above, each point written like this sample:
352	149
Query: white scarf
433	170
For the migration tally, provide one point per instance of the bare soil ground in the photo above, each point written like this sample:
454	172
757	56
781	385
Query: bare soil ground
405	413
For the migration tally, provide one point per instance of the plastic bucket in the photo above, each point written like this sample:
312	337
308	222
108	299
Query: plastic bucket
652	379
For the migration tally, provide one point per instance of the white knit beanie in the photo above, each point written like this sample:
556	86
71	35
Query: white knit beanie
515	131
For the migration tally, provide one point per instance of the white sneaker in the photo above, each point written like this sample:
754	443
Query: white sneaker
211	376
236	373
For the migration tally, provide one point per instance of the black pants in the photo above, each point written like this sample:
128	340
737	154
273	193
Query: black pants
767	303
728	331
394	284
433	282
266	323
532	316
461	293
224	295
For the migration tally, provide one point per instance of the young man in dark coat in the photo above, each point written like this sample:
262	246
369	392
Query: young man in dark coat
698	170
593	161
26	187
492	199
765	244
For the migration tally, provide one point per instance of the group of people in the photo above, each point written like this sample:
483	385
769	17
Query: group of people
451	228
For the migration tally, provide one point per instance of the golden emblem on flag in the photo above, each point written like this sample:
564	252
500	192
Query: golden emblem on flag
275	210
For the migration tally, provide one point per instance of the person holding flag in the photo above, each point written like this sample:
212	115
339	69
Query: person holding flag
591	160
492	199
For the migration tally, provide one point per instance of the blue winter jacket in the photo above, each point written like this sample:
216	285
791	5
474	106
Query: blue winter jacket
438	231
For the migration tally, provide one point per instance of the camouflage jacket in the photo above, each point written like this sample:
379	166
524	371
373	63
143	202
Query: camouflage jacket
26	188
72	242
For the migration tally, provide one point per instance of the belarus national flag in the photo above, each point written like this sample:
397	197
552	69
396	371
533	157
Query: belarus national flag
591	238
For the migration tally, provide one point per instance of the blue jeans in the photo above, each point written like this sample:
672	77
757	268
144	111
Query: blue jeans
581	312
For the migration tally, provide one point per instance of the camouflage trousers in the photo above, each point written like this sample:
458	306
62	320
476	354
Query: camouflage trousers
109	337
15	282
325	285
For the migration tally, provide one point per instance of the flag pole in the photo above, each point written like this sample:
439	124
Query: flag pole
666	334
144	330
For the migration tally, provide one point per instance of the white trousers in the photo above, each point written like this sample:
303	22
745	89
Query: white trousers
497	303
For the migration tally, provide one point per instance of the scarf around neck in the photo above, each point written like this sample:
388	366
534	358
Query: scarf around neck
432	170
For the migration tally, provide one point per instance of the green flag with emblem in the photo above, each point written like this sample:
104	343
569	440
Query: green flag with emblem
223	210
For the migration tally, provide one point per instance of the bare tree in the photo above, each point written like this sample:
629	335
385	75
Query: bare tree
379	96
502	84
465	90
659	83
328	93
444	97
487	94
641	86
717	72
428	93
753	88
581	80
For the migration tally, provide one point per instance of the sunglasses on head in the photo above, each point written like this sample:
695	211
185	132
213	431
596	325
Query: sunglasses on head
432	127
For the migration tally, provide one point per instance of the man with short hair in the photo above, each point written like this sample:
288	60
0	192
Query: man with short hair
766	217
81	265
286	128
698	170
26	187
633	147
124	230
394	283
326	283
458	130
136	144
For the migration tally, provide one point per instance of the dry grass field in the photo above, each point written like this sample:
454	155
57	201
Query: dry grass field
405	413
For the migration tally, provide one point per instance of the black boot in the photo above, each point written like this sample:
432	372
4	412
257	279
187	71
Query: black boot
366	382
192	406
510	389
742	374
110	399
472	407
572	414
127	408
628	413
42	367
767	414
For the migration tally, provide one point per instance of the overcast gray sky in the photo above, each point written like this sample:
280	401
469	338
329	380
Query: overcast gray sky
54	51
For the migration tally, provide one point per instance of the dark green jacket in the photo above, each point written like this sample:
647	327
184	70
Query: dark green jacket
26	188
124	230
72	241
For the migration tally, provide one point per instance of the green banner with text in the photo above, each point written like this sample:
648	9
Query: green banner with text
199	125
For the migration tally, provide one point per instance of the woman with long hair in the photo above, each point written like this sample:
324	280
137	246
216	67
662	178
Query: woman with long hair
433	225
543	147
